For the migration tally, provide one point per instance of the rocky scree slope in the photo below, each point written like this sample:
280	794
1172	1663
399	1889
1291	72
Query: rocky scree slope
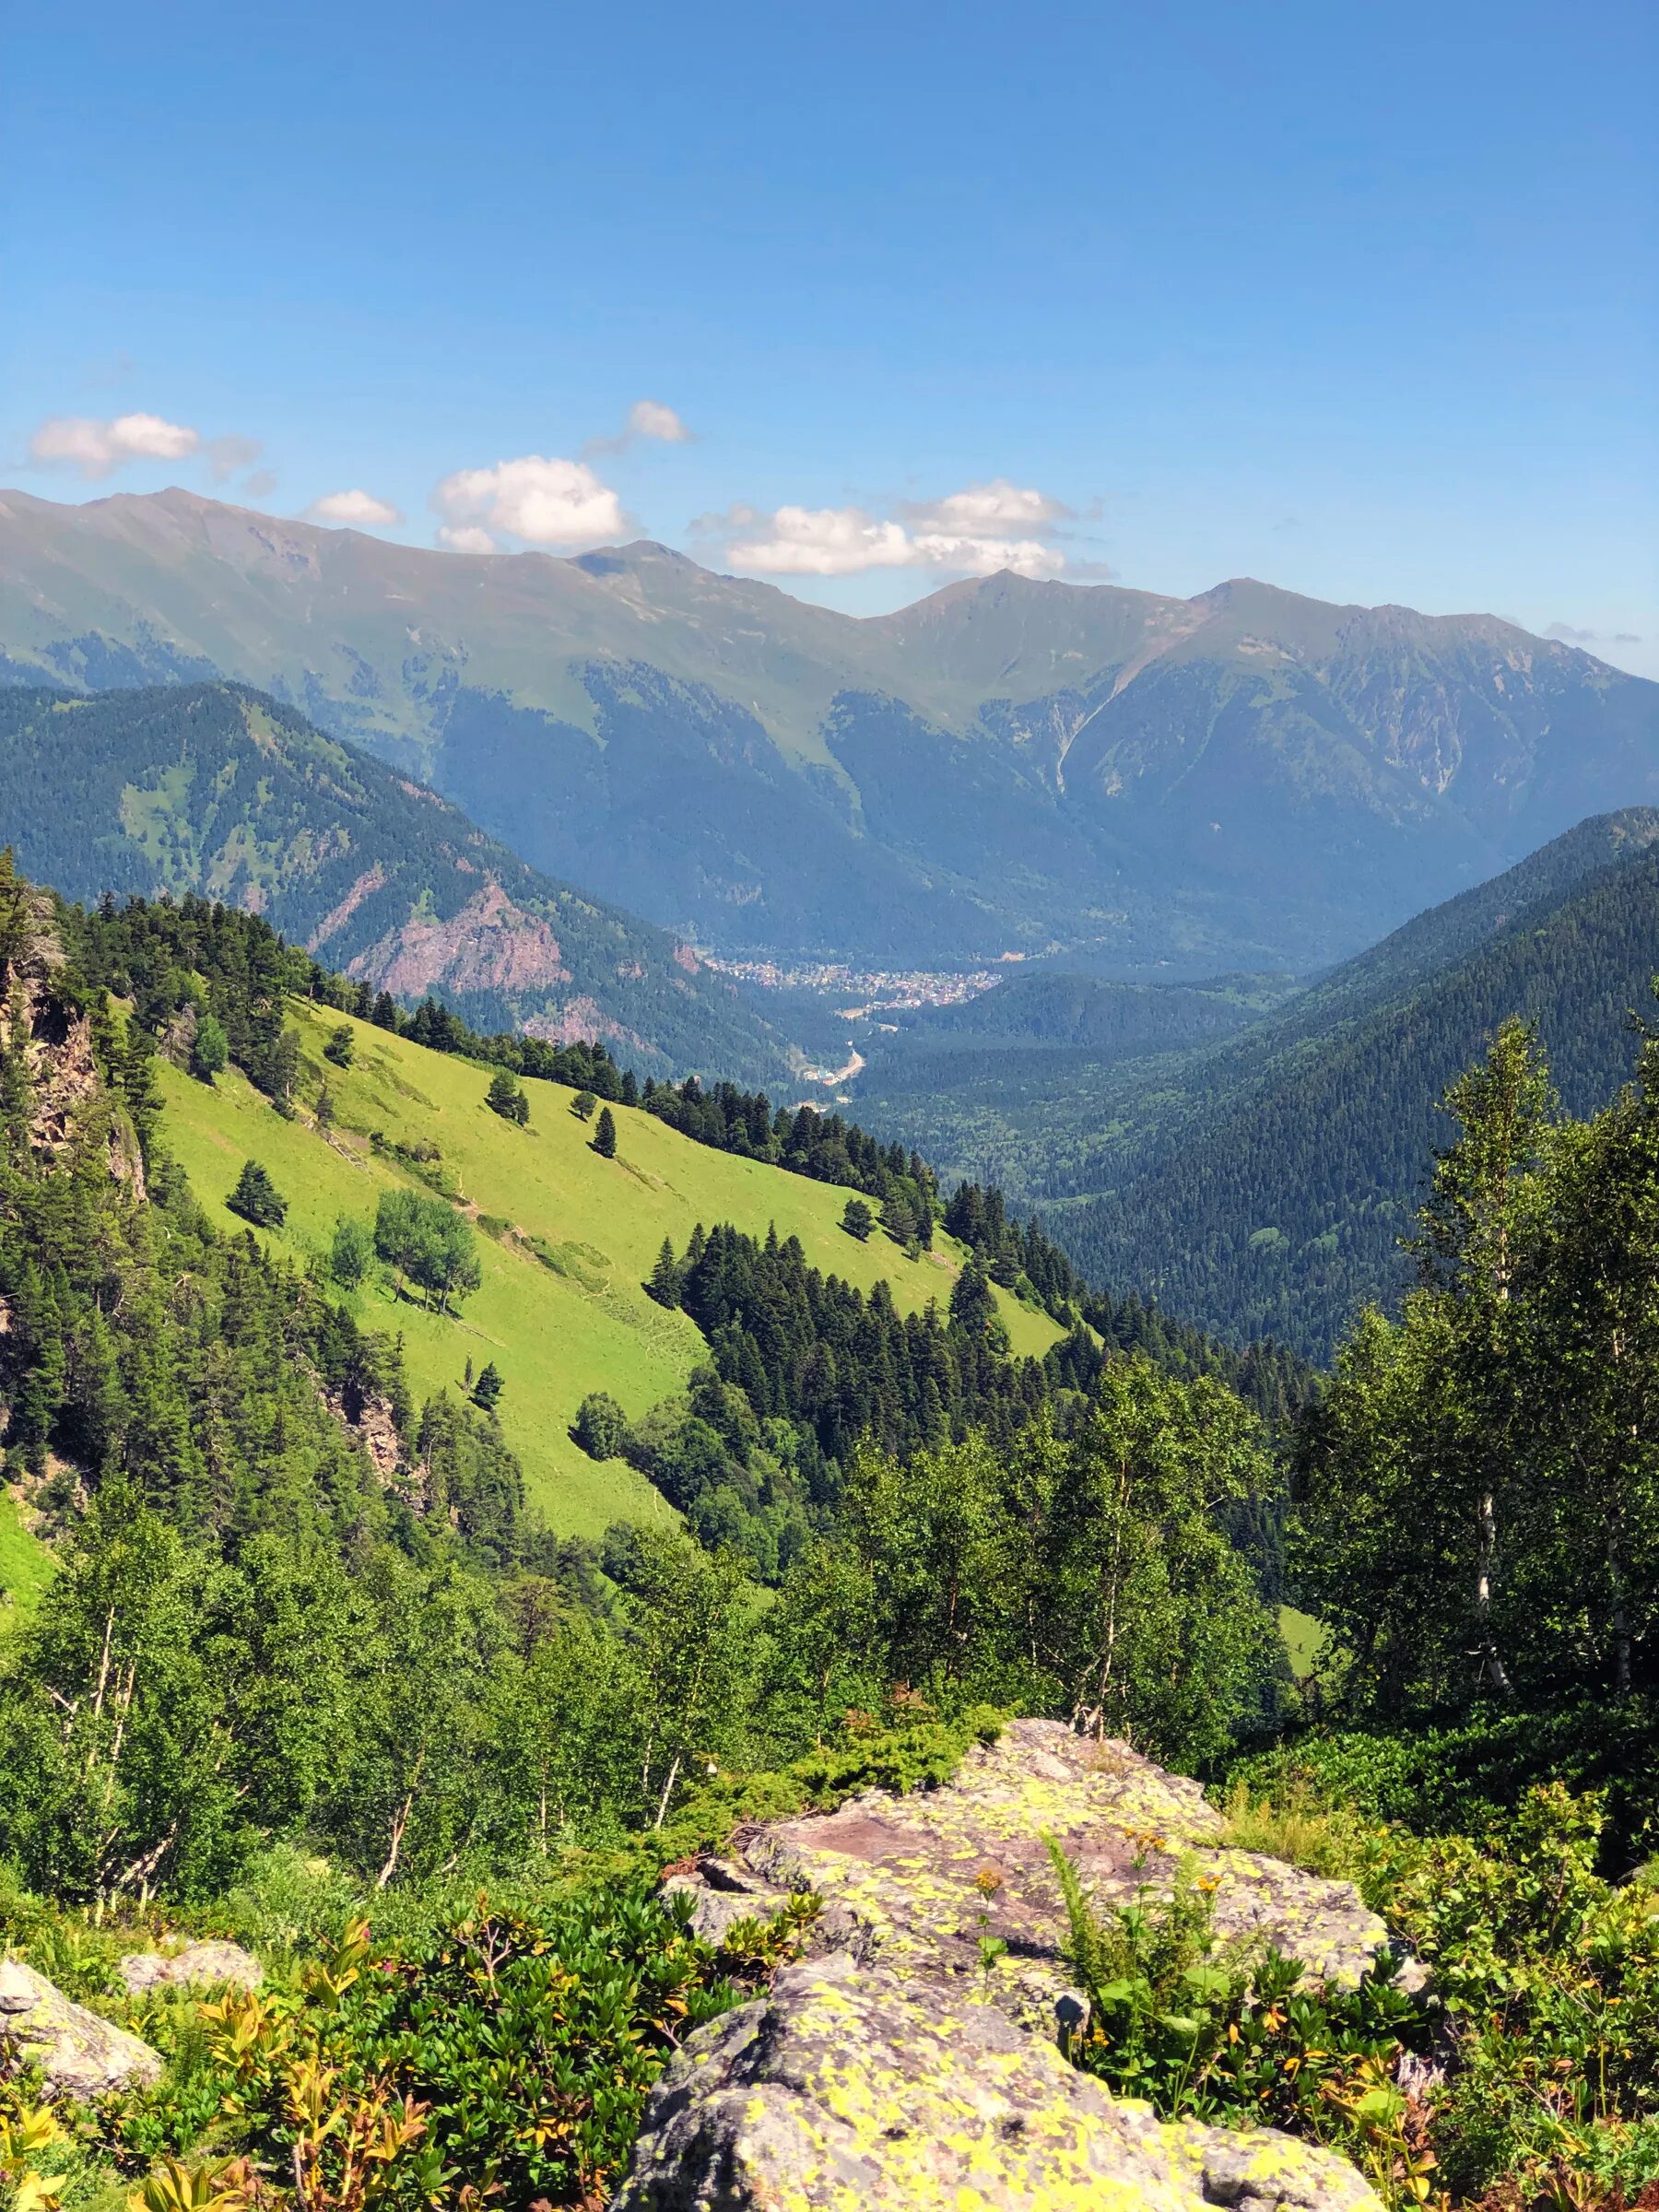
890	2068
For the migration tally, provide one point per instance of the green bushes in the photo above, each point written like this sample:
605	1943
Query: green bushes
524	2047
1546	1972
1228	2032
1550	1976
1442	1780
482	2056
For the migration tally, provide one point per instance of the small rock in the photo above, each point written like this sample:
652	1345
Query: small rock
80	2054
198	1964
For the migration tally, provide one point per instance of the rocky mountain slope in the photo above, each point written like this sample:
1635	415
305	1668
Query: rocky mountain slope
1244	779
209	788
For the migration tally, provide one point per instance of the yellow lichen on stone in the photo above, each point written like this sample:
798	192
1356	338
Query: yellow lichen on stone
902	2070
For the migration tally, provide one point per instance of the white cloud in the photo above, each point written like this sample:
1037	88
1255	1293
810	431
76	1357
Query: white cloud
98	447
538	502
359	508
964	534
468	539
820	541
650	419
646	418
985	556
988	511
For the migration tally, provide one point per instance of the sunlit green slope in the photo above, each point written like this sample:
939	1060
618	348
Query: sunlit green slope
26	1564
573	1320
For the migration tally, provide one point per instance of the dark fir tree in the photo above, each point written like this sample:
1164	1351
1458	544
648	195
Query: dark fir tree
664	1279
255	1198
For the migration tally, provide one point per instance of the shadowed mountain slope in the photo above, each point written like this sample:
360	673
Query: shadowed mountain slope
1274	1198
213	789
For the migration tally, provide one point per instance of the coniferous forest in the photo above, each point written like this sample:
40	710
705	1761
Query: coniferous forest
361	1710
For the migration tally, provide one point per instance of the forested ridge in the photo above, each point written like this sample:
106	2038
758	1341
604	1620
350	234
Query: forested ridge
1276	1204
305	1656
1007	1088
228	1403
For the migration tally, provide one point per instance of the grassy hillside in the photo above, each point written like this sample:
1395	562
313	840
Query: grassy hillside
25	1562
561	1324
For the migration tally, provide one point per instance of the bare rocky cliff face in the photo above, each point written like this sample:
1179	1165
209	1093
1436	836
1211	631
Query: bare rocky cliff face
892	2068
53	1039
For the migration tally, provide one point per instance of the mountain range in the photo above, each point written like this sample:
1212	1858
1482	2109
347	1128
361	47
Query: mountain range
1141	784
207	787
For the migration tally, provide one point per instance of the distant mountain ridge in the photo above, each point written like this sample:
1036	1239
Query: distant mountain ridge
1246	779
212	788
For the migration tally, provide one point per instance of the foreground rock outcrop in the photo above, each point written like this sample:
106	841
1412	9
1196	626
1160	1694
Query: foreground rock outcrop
79	2053
892	2068
848	2087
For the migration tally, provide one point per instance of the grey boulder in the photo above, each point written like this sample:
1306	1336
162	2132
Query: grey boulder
79	2053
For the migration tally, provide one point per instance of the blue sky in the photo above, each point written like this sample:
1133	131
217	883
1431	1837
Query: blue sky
1360	298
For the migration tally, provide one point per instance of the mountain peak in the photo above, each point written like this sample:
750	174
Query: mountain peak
629	560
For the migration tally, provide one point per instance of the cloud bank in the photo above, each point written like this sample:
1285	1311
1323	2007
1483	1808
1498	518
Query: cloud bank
359	508
970	533
1569	636
97	446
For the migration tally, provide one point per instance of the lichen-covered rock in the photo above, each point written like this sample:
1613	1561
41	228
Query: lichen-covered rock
893	2069
80	2054
198	1965
899	1875
848	2087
